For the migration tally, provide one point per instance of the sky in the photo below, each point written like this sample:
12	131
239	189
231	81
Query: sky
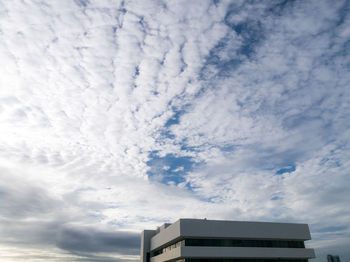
118	116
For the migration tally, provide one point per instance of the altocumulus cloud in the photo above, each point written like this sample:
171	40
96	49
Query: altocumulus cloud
120	115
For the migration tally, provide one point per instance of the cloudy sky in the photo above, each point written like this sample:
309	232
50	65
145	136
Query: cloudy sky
116	116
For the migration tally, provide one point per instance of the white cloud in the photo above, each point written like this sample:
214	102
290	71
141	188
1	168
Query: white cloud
90	91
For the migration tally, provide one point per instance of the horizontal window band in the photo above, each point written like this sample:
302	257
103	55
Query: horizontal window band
231	243
240	260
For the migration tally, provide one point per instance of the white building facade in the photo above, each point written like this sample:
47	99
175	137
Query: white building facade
201	240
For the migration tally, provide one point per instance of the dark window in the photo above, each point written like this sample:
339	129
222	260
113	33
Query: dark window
231	243
243	243
245	260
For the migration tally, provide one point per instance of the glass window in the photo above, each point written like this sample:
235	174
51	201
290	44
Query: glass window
231	243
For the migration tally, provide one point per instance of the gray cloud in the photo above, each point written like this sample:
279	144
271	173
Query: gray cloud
92	241
21	201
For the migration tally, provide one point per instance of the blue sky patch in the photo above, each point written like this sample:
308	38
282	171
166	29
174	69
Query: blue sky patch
174	120
276	198
288	169
252	34
170	168
226	57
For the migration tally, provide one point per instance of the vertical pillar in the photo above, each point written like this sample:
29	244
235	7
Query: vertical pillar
146	244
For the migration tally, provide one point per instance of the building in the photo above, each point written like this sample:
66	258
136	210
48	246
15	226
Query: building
331	258
198	240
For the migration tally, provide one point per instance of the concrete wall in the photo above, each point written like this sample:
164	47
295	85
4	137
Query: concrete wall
199	228
229	229
171	233
246	252
169	255
234	252
146	243
237	229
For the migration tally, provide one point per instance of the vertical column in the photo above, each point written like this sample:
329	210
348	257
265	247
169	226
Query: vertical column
146	244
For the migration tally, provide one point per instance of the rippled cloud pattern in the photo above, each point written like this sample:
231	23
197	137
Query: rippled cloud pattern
117	116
